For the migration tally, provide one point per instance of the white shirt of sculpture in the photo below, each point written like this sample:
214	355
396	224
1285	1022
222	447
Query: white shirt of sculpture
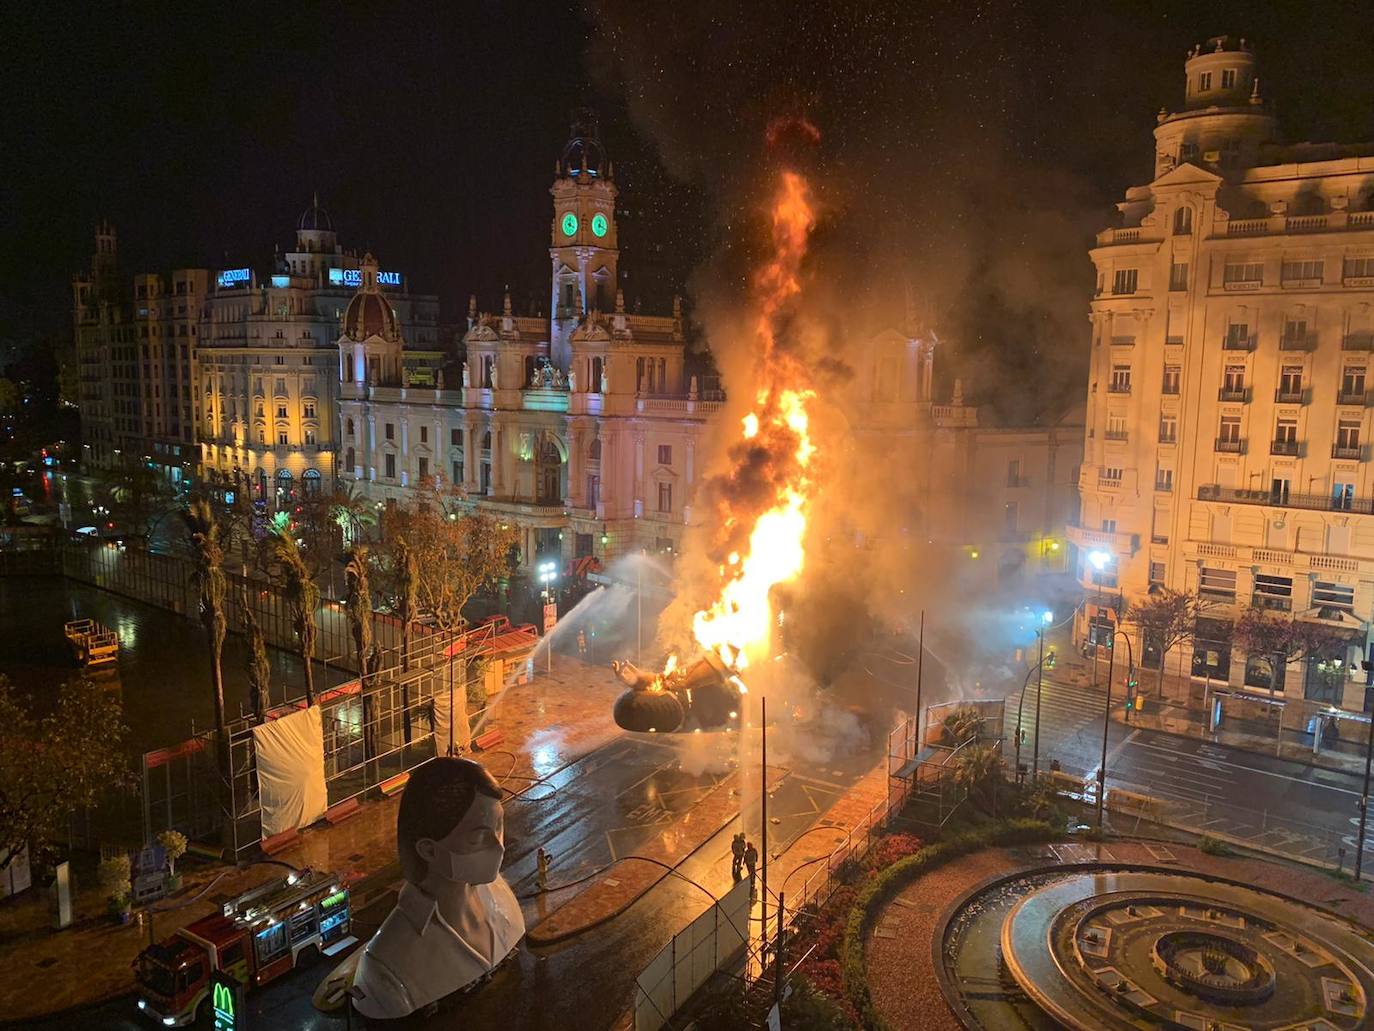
416	958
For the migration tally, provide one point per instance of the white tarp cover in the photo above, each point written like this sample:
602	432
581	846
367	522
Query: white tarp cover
291	771
462	733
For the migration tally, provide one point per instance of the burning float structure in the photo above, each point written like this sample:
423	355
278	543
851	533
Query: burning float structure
758	503
705	696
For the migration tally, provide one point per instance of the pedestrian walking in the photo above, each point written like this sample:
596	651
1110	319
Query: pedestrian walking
751	863
582	643
543	876
737	857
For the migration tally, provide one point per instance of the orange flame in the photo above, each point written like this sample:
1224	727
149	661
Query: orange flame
738	626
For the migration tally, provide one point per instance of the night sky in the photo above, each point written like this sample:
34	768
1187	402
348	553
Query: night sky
968	150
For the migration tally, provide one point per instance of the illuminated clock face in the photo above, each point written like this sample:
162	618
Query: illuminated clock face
569	224
599	225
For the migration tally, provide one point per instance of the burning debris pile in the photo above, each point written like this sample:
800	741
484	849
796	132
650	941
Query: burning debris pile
758	506
703	697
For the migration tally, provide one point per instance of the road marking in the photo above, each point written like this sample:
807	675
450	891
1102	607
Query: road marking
1256	769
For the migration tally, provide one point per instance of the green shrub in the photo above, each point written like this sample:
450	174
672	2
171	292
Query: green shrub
808	1009
1214	846
887	884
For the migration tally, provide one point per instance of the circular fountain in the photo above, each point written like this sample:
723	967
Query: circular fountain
1117	947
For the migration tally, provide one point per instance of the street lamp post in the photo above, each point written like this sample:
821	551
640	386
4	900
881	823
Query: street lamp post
1364	800
1045	621
1020	703
548	573
1107	713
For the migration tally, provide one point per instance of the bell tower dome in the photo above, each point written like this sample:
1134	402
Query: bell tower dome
583	241
1224	119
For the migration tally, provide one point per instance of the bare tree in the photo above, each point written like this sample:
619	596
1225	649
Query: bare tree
210	582
1283	638
302	597
456	555
1170	619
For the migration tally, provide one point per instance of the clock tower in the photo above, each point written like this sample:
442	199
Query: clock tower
583	244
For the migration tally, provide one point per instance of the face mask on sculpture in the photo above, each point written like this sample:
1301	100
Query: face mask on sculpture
473	851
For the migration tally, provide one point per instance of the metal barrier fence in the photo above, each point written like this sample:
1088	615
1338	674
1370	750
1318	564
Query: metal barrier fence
370	738
688	961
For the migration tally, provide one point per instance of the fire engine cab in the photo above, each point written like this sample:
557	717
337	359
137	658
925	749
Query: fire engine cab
256	937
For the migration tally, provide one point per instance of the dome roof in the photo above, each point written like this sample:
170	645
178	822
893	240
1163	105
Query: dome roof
368	315
315	218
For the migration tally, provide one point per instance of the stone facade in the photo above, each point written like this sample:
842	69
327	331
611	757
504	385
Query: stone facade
1228	422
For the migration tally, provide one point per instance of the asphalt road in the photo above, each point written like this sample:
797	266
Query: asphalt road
1290	807
603	806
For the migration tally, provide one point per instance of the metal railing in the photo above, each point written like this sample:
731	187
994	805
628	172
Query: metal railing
1230	447
1311	502
1284	447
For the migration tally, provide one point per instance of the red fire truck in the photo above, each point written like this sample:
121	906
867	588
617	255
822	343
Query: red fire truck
277	926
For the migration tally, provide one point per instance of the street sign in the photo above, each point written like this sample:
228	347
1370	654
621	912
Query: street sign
550	616
226	998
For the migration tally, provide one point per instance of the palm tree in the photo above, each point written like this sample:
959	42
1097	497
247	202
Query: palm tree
352	511
259	666
302	597
407	594
978	769
210	581
359	603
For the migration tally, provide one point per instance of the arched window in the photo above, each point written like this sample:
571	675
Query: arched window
594	452
311	482
1183	221
486	441
284	475
595	385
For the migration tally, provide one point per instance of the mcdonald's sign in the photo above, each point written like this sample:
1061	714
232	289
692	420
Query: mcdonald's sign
225	994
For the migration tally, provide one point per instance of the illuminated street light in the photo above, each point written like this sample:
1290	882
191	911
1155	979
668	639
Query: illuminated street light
1100	559
1047	617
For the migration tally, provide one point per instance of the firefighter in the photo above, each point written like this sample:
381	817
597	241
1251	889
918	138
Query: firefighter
543	876
737	857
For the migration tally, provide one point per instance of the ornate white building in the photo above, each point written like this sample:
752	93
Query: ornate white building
1228	428
585	429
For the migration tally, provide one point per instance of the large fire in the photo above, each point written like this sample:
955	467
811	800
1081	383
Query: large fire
760	507
738	625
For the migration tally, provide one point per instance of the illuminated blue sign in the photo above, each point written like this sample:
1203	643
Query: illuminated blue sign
281	280
353	276
234	277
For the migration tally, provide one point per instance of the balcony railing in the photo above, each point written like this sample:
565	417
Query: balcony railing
1115	435
1119	388
1311	502
1352	452
1353	397
1290	397
1284	447
1168	438
1230	447
1358	342
1233	394
1230	343
1303	342
1273	604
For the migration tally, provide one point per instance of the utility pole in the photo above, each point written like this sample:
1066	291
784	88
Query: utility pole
1364	800
1039	691
763	893
1107	714
920	667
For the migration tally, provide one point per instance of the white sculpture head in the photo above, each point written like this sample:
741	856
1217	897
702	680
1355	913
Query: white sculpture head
450	826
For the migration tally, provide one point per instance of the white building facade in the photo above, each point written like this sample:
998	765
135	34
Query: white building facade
1227	449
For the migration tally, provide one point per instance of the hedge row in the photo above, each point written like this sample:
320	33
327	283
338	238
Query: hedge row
889	882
